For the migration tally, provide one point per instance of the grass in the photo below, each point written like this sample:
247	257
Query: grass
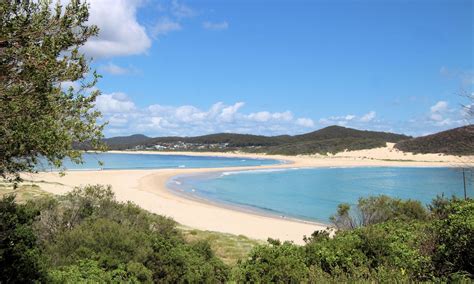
23	192
230	248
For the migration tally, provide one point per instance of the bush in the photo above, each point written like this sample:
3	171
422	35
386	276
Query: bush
275	263
88	233
87	236
174	261
91	272
454	239
20	256
378	209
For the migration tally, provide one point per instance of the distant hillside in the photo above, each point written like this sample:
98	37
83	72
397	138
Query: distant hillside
330	139
457	141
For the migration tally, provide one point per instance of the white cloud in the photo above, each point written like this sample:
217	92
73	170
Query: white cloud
114	103
158	120
228	113
436	117
120	32
181	10
305	122
114	69
344	120
164	26
264	116
215	26
368	116
439	107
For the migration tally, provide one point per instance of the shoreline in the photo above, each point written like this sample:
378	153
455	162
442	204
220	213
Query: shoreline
236	207
148	188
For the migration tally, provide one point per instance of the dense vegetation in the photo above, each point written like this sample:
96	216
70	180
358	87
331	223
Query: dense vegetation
39	50
330	139
87	235
457	141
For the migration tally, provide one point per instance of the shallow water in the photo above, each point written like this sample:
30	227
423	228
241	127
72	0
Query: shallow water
313	194
153	161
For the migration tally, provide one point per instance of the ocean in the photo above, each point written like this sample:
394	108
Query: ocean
313	194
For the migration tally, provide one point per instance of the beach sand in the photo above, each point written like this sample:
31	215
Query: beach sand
148	189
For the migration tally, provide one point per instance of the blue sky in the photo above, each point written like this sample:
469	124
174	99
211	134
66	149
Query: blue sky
274	67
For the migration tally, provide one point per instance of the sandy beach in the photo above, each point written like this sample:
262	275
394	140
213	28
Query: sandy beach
148	189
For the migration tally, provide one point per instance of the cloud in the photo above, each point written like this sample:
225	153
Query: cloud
264	116
120	32
181	10
114	103
465	77
113	69
158	120
349	119
368	116
305	122
439	107
215	26
164	26
438	112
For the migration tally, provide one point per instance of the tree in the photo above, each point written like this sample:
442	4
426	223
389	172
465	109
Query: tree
39	51
20	257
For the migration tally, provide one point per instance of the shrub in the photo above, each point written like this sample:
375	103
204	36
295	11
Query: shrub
276	263
174	261
454	238
87	232
20	256
378	209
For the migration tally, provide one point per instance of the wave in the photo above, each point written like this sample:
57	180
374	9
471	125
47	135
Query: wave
257	171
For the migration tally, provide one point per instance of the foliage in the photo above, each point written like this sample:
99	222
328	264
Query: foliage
20	257
454	239
457	141
274	263
230	248
90	271
87	236
330	139
406	245
174	262
39	50
377	209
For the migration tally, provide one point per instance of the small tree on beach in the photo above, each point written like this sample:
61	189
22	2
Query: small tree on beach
39	51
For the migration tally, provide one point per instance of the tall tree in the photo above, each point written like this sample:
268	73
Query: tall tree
39	51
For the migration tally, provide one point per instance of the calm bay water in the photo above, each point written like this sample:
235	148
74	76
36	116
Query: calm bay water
314	194
152	161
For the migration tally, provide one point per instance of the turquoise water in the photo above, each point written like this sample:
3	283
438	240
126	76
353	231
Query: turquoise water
151	161
313	194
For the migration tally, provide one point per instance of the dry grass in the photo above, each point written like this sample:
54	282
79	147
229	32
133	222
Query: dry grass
230	248
23	192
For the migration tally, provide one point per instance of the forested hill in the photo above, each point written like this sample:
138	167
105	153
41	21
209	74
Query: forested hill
457	141
330	139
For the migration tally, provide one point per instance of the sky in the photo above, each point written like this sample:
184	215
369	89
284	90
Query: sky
281	67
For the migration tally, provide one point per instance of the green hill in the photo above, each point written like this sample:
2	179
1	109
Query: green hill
457	141
330	139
